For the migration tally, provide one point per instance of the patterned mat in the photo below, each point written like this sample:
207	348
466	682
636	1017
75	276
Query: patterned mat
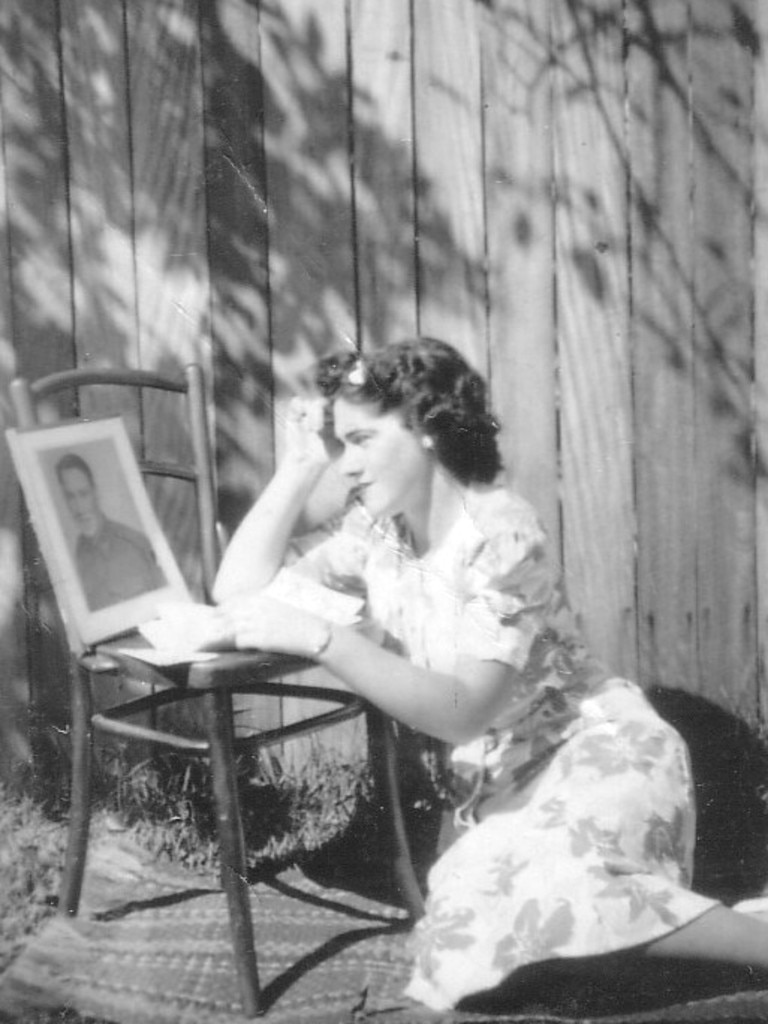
152	947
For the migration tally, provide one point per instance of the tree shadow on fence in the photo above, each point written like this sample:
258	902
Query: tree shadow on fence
670	89
286	133
96	206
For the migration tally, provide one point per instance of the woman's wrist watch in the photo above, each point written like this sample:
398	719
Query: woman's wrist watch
323	641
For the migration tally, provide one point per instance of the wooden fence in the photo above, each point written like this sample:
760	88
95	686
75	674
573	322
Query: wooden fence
571	191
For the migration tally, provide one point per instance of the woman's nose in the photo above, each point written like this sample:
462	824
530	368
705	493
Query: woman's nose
350	463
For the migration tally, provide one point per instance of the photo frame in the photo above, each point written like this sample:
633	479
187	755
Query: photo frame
109	562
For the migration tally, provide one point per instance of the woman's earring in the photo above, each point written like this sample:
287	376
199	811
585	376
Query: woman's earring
428	443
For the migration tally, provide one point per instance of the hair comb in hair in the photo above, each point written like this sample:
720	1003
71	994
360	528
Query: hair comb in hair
356	374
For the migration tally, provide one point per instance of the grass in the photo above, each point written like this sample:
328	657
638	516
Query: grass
31	857
166	804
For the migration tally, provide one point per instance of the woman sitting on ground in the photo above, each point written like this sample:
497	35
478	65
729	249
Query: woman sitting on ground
574	798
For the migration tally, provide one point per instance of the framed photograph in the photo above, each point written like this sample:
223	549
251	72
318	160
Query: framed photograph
109	561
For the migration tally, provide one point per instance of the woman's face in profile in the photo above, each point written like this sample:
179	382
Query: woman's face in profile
385	462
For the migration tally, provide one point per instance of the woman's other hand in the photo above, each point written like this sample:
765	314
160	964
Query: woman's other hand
260	622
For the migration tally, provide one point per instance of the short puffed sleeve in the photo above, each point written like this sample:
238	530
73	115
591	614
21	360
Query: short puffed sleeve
335	555
509	583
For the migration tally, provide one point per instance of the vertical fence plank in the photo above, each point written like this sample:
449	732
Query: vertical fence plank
14	694
311	255
760	280
169	234
380	38
236	194
592	310
722	99
661	186
309	184
35	235
101	201
306	112
14	749
35	338
237	251
95	84
451	251
166	108
520	246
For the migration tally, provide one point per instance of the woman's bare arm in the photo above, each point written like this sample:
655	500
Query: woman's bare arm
455	707
257	549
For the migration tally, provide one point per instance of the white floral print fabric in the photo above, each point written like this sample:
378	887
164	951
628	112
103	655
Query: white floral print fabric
577	805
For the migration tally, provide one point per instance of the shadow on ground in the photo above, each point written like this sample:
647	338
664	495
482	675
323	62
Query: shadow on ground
730	771
623	985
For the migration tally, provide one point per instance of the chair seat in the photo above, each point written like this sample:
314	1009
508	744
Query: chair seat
243	672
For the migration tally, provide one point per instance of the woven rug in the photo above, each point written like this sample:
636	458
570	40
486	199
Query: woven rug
152	947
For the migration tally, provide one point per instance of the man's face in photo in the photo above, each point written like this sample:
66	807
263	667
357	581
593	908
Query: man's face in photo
82	500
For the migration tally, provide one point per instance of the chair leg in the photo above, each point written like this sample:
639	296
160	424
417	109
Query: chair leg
382	740
80	795
218	711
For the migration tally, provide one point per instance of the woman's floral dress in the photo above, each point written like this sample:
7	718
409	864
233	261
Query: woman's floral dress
577	807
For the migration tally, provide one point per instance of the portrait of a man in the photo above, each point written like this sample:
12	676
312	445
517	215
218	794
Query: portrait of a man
114	561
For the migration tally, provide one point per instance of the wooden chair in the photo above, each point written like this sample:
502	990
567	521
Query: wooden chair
213	682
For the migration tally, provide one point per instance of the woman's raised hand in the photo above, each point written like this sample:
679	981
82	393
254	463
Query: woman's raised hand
307	434
258	548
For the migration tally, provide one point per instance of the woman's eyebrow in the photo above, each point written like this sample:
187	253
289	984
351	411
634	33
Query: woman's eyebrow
355	433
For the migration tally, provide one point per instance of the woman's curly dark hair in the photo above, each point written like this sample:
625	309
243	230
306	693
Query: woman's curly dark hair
439	394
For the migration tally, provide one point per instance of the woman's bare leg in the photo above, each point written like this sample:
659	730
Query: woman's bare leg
721	935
